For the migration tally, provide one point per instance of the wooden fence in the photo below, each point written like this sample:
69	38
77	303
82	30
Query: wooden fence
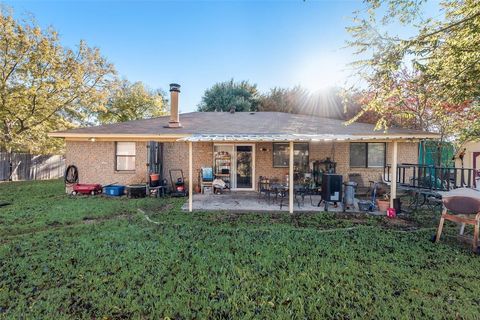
26	166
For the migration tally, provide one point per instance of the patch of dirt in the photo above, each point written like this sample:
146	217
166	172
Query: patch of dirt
253	218
297	219
53	225
398	223
120	216
164	207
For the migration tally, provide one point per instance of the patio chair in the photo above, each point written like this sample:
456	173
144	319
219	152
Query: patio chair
280	191
305	190
264	188
464	210
206	178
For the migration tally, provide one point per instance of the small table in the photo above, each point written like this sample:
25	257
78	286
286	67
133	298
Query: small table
282	190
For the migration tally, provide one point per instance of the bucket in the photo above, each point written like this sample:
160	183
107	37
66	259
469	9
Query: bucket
154	179
383	205
349	198
391	213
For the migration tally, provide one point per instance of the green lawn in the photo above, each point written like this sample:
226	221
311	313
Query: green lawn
95	257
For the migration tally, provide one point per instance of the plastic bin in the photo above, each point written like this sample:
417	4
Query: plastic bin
114	190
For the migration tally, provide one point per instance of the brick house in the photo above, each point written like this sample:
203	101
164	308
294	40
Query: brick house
255	144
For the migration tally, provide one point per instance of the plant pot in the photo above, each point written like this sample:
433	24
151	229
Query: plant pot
197	189
383	205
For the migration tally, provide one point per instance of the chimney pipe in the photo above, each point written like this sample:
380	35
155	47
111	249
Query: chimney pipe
174	117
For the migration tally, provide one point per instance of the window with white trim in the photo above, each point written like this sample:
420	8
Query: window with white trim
125	156
367	154
281	156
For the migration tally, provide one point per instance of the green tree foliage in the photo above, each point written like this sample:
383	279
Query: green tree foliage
223	96
44	86
326	103
283	100
133	101
427	81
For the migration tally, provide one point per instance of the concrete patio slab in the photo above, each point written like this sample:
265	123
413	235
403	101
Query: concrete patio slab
252	202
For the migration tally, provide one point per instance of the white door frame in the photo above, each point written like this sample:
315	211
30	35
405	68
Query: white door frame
234	164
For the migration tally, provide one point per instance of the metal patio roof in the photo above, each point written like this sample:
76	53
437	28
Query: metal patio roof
295	137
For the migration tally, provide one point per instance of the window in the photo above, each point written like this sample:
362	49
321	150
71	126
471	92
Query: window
367	155
125	156
300	156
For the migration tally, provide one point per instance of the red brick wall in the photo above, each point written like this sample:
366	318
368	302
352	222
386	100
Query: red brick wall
96	160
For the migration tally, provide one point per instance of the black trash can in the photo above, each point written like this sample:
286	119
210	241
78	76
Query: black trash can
397	205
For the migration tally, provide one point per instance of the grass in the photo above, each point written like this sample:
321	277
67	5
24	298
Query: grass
85	257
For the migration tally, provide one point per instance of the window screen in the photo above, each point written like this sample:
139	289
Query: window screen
281	156
125	156
367	155
358	152
376	155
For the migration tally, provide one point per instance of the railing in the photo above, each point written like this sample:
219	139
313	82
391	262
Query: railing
432	177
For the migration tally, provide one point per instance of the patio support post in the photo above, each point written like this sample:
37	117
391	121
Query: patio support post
190	176
290	180
393	188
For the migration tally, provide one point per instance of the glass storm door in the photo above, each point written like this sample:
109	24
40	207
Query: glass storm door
244	167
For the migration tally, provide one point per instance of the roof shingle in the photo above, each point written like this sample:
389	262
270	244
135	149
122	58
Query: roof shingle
258	123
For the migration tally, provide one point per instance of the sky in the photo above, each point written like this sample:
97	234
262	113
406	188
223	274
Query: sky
197	44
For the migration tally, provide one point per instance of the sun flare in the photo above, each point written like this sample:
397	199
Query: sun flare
320	73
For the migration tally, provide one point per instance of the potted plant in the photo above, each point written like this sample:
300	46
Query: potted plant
383	203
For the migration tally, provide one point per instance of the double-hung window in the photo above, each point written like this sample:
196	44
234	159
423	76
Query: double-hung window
367	154
125	156
281	156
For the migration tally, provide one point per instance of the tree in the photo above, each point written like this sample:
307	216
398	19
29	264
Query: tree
441	62
133	101
223	96
325	103
410	101
44	86
282	100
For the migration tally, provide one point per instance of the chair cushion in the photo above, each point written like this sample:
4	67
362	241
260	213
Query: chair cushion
462	204
207	174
